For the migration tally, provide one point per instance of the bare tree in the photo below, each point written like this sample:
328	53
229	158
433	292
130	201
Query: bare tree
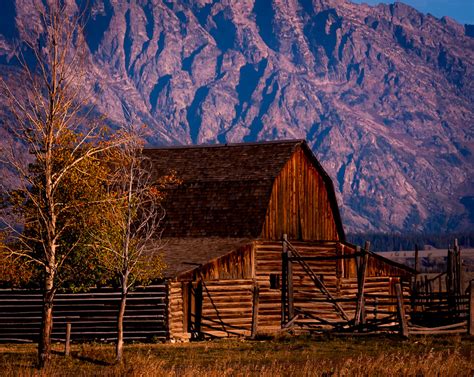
49	117
130	234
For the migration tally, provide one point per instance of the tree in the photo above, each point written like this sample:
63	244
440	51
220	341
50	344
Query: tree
129	235
49	117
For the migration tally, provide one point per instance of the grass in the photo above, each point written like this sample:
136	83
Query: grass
298	356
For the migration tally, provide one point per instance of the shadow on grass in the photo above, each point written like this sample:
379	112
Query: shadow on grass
91	360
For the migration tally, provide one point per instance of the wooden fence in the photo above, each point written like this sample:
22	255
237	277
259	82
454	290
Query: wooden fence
411	307
93	315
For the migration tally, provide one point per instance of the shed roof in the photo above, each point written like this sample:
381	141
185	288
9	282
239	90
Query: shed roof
225	188
185	254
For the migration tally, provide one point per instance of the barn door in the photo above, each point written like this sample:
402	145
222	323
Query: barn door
297	270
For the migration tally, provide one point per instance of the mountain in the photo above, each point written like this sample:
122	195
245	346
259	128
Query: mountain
384	95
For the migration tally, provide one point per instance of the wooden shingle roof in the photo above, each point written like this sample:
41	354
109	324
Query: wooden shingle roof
224	189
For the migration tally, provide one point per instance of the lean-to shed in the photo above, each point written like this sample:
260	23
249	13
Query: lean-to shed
229	270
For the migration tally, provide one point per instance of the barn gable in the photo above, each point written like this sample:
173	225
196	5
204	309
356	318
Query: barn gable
253	190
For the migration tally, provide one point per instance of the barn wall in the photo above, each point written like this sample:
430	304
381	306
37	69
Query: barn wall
339	276
226	308
222	307
299	204
235	265
178	298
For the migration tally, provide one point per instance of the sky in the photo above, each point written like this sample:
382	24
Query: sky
461	10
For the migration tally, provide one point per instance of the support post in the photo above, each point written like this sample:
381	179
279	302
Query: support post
255	305
360	308
417	261
196	308
401	311
291	309
284	280
67	344
471	309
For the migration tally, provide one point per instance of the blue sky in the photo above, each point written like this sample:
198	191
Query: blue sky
461	10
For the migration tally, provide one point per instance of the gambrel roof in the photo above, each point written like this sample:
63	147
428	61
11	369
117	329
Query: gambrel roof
225	189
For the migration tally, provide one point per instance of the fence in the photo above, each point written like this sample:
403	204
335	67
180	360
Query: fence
93	315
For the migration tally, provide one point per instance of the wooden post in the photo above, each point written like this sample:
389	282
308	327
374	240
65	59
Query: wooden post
339	265
284	280
196	308
360	308
456	265
471	308
358	260
401	311
255	304
449	272
291	309
67	344
417	261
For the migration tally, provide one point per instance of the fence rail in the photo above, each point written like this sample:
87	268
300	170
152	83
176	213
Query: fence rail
93	315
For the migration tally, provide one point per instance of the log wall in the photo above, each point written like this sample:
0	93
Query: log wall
93	315
339	277
222	307
299	205
226	308
178	301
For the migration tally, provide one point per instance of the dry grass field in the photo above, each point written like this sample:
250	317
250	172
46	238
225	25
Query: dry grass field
300	356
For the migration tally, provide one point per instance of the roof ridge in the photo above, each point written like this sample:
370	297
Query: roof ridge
197	146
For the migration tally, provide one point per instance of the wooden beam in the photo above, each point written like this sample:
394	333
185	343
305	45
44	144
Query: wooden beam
284	280
417	261
255	305
67	343
360	307
291	310
471	308
327	258
401	311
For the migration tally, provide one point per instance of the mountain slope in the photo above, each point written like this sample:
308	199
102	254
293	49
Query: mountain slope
384	94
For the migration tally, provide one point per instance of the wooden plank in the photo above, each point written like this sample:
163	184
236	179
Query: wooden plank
401	311
284	278
471	309
359	315
291	311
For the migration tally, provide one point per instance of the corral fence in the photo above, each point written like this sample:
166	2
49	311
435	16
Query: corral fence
92	315
412	308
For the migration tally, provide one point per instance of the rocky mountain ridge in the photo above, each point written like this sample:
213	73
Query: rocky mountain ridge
384	95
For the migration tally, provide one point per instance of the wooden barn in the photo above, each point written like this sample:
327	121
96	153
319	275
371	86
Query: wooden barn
254	243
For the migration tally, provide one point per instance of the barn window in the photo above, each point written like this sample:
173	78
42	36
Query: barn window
274	281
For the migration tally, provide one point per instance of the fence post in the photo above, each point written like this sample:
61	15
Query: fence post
284	280
67	344
255	304
289	269
401	311
471	308
360	308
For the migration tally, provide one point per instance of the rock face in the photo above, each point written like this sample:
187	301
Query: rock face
384	95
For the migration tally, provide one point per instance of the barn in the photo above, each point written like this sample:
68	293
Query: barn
254	243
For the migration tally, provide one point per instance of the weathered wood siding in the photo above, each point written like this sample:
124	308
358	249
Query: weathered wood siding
299	205
339	277
178	301
226	308
238	264
221	298
93	315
